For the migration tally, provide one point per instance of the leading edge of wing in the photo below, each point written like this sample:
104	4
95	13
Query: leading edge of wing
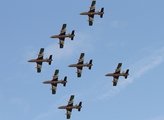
118	69
63	30
41	50
55	77
92	7
81	59
70	102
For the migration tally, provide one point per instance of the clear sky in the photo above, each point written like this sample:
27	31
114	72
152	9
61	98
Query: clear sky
131	32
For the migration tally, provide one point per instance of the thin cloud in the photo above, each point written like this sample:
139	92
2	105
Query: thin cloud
81	42
158	118
114	23
53	111
16	101
136	71
117	24
70	47
21	102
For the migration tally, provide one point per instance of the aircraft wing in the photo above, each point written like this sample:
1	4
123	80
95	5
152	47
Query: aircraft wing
115	80
55	78
41	53
62	32
80	61
90	19
93	5
81	58
40	57
70	103
54	88
92	9
79	71
118	69
69	111
61	42
39	66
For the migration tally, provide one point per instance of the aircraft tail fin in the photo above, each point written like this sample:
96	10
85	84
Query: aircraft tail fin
50	58
73	34
127	73
65	81
80	106
102	11
90	62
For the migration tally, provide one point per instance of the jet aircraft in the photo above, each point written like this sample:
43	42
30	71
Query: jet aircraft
63	35
117	73
70	106
40	59
55	81
92	12
80	65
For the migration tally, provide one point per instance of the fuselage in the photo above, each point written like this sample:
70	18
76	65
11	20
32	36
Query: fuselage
70	107
80	65
92	13
53	82
62	36
114	74
40	60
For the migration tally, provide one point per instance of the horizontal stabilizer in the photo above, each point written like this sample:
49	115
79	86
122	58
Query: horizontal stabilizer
73	34
127	73
80	105
102	11
65	81
50	58
90	62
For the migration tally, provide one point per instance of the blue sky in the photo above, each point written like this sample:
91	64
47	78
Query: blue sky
130	32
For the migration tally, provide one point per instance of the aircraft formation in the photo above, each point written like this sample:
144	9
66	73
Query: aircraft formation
55	81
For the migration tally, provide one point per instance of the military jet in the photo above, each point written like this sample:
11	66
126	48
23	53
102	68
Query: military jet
55	81
117	73
70	106
63	35
92	12
80	65
40	59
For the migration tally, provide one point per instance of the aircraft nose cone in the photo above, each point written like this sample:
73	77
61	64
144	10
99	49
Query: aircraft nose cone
47	82
81	13
59	107
70	65
106	74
